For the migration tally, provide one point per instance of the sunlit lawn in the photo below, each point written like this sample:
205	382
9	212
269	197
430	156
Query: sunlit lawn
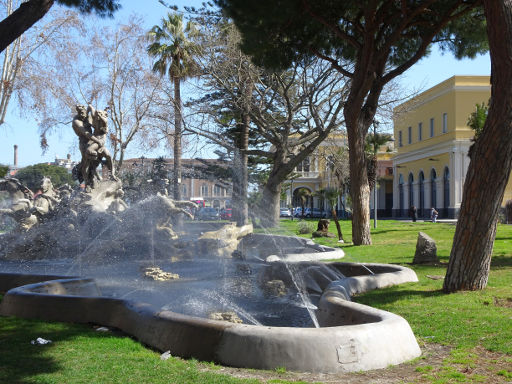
461	319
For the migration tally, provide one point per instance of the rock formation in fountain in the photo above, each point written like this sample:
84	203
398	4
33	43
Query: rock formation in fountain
231	317
156	273
94	223
98	225
18	203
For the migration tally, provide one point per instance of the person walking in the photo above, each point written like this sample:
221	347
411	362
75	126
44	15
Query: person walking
433	215
413	213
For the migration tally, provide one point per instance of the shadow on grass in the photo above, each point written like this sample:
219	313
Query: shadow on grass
404	229
501	261
343	246
20	360
389	296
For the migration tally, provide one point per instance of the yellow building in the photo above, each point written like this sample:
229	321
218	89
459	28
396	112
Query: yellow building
432	142
316	173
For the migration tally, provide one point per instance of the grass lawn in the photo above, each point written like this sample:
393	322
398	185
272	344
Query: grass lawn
475	328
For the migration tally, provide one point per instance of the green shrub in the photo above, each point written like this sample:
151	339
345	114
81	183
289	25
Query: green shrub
304	227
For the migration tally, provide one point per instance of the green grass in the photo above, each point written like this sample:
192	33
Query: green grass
78	354
465	321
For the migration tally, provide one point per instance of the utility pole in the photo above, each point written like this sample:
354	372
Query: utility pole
291	196
375	123
292	177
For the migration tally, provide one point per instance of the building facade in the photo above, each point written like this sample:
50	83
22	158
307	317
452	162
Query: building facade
432	142
196	183
65	163
319	171
314	174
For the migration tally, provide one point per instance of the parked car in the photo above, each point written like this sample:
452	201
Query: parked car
297	212
226	213
316	212
285	212
308	212
207	213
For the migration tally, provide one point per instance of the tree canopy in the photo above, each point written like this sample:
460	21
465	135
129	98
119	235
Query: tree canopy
32	175
337	29
100	7
29	12
3	170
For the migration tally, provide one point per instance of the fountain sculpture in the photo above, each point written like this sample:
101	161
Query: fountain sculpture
210	291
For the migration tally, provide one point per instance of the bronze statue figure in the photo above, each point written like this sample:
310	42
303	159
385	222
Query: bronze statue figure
91	127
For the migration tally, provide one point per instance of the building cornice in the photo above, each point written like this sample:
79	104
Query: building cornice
455	146
447	86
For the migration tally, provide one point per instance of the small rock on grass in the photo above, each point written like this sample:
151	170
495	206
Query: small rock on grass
40	341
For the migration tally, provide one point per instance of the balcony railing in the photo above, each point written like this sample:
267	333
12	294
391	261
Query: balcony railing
307	175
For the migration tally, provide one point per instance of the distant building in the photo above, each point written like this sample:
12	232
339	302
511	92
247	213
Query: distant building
197	183
316	173
64	163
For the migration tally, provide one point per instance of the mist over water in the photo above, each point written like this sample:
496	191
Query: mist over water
115	248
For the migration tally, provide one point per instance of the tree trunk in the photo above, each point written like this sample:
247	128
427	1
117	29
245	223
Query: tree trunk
335	218
240	179
490	166
177	139
242	217
359	188
119	163
22	19
269	205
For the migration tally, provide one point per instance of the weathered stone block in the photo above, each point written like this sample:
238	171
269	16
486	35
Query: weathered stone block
426	250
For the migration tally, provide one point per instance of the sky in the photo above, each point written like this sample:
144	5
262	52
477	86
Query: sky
24	133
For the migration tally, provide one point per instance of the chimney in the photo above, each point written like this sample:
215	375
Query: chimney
15	156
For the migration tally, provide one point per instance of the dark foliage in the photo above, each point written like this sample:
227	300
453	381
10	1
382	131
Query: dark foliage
32	175
278	33
100	7
3	170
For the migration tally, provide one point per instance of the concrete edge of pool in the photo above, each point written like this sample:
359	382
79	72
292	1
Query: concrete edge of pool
353	337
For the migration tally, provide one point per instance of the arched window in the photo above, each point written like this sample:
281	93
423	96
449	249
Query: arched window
446	190
411	190
433	188
421	180
401	195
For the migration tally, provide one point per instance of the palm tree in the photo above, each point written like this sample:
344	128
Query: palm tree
175	52
331	195
304	194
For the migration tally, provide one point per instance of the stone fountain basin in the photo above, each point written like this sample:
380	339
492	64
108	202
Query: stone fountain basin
352	337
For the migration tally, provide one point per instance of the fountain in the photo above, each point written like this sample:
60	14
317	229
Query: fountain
209	291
